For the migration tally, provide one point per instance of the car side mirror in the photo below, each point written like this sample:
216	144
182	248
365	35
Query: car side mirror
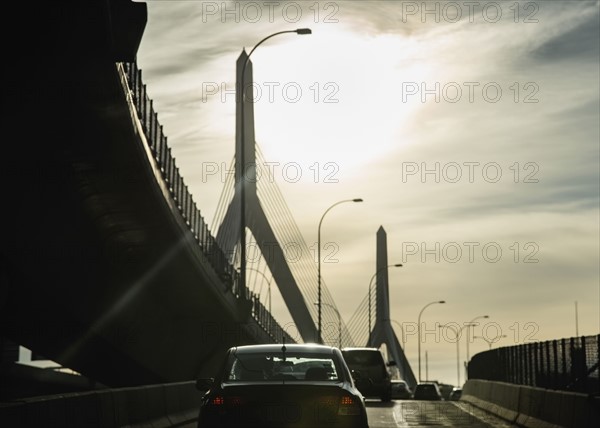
391	363
356	375
205	383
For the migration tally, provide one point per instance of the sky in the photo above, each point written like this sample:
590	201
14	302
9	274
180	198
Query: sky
469	129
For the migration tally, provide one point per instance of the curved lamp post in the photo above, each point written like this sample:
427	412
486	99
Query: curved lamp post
242	159
268	285
470	324
339	322
319	302
490	342
370	287
457	333
419	329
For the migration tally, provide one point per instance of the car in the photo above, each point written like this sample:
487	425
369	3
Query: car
370	372
400	390
456	394
282	385
428	391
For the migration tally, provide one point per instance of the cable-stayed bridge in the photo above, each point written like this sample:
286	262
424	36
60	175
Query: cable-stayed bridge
108	266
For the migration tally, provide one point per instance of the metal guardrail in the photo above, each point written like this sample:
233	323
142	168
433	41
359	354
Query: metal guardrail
566	364
264	318
157	142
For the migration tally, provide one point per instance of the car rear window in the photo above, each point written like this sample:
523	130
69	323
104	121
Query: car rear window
363	358
300	367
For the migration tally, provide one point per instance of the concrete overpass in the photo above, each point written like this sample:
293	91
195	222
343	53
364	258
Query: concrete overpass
100	270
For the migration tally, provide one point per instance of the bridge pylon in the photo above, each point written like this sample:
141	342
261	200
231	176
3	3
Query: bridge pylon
382	332
229	232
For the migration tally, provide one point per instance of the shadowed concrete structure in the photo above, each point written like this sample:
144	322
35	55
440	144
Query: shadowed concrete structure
99	269
103	267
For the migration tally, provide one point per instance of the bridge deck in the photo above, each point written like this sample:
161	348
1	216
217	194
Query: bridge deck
99	269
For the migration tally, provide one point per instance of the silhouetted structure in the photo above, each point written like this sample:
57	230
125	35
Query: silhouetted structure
382	330
106	265
229	234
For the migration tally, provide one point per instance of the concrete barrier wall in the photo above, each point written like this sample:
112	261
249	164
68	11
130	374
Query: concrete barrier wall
166	405
533	407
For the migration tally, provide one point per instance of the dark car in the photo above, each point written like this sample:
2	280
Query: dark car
296	385
428	391
456	394
400	390
370	372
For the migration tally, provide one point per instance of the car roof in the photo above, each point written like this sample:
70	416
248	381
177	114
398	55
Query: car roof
277	347
360	349
427	384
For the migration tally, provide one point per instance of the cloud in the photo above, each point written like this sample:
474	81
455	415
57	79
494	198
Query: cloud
544	126
576	38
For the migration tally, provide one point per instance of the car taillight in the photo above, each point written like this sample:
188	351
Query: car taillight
348	406
217	401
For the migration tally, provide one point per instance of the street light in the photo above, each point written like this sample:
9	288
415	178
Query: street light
243	159
490	342
339	322
319	302
419	330
470	324
268	285
457	333
371	286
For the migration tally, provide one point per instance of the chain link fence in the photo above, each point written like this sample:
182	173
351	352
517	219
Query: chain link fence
565	364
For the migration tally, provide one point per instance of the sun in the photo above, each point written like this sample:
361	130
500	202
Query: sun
333	96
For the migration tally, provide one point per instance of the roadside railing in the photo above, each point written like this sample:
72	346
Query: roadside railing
157	142
180	193
566	364
264	318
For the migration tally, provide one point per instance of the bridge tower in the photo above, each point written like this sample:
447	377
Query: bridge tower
229	232
382	332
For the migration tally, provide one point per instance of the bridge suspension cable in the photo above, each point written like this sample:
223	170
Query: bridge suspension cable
358	323
298	255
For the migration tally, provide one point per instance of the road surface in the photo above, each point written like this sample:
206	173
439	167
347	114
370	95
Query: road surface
425	414
413	413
